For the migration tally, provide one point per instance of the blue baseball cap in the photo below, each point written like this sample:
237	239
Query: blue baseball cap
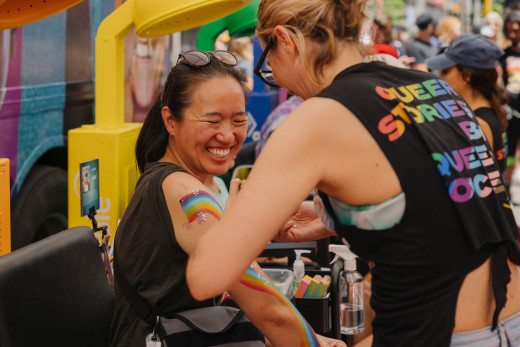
467	50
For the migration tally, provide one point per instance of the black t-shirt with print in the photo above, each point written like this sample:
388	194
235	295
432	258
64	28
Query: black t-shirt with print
457	208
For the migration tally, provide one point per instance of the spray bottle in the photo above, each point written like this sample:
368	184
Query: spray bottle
350	291
298	271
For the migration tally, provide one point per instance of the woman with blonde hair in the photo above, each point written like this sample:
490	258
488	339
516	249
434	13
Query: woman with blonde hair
496	23
403	174
448	29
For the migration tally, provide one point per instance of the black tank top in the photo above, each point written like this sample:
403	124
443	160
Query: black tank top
499	134
457	209
151	258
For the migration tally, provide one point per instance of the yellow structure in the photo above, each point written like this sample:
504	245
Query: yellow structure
110	139
5	210
488	6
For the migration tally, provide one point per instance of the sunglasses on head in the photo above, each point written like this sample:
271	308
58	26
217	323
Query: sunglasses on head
201	58
266	75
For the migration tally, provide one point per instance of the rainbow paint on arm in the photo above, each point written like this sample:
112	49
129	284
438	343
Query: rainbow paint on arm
254	280
197	203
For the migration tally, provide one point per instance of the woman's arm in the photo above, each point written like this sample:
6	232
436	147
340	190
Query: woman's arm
271	311
193	211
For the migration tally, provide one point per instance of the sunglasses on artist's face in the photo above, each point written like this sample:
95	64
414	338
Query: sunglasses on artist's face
202	58
266	75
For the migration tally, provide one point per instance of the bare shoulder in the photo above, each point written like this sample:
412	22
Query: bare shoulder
193	209
177	184
320	107
326	119
322	128
317	117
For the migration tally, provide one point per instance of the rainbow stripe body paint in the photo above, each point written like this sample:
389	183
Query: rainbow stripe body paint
197	204
254	280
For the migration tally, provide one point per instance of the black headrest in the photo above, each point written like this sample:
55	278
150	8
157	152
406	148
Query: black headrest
55	292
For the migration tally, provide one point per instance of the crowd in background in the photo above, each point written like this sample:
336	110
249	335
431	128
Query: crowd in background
433	34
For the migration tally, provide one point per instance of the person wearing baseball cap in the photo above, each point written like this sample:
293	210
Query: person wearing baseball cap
469	50
469	65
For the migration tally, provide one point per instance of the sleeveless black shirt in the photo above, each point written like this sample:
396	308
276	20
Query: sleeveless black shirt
457	209
151	258
499	134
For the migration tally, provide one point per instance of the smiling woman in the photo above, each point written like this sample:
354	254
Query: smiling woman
212	130
191	134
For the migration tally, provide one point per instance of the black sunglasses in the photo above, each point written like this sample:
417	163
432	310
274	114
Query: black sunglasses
201	58
266	75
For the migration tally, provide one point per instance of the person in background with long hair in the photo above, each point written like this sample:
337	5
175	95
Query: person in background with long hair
495	21
469	65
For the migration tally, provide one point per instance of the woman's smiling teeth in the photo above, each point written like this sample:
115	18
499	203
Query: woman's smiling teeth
218	153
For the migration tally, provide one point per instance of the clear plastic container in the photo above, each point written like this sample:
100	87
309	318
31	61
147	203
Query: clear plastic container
351	305
281	278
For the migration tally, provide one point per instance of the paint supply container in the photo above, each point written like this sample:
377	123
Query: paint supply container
316	313
281	278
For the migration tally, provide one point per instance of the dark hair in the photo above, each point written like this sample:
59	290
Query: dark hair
383	21
424	20
484	81
511	14
176	95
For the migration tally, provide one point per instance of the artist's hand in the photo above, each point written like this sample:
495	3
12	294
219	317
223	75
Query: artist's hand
328	342
304	225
